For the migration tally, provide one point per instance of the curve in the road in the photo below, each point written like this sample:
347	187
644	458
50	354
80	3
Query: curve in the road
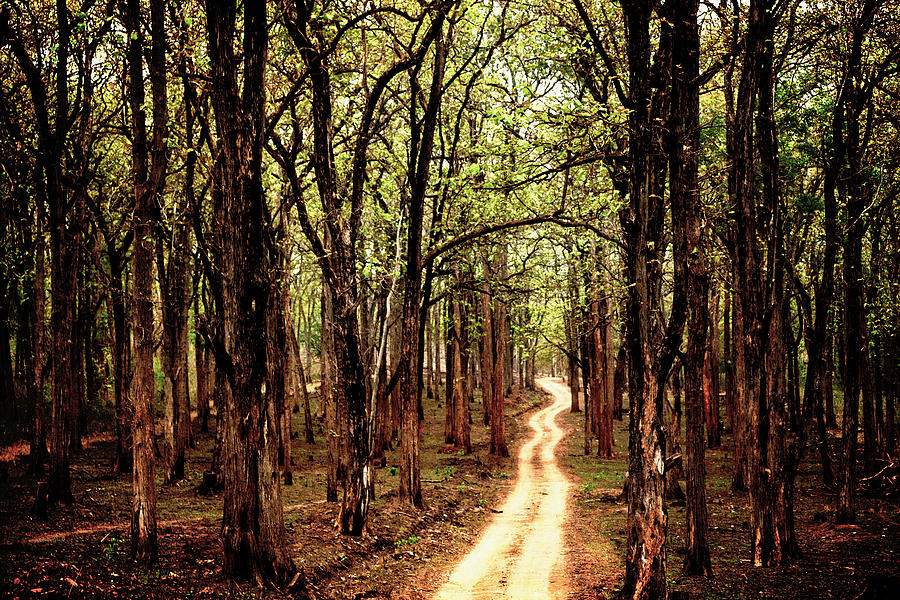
518	555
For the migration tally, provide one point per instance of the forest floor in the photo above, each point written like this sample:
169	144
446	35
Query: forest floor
840	562
81	551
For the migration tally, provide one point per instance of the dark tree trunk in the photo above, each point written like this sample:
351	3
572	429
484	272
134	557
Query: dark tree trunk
76	410
711	408
674	446
201	366
303	384
279	354
175	292
585	350
573	343
7	374
149	181
253	532
382	400
452	374
728	356
436	365
37	455
890	399
429	359
337	259
854	338
645	560
63	271
687	222
333	424
411	315
759	285
121	354
855	335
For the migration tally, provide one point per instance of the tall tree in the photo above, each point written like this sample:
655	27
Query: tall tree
411	330
645	561
252	522
687	224
149	173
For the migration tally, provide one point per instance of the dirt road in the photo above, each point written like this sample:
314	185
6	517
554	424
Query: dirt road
518	556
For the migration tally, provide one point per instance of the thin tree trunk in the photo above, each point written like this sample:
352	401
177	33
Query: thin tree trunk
600	405
149	180
711	378
619	379
201	358
453	368
462	438
37	455
333	423
175	292
499	346
486	345
728	356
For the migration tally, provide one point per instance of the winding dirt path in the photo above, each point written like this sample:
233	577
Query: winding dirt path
518	556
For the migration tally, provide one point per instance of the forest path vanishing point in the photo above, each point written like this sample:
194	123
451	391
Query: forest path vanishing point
520	554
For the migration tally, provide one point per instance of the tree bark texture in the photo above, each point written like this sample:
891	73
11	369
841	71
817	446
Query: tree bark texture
645	560
687	223
149	180
175	292
253	532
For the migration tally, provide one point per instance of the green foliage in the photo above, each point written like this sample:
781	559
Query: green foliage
408	541
114	549
445	471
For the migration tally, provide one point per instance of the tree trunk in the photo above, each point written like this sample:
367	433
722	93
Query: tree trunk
253	532
674	446
201	362
701	361
436	364
452	374
486	352
711	407
645	560
303	384
759	285
828	382
7	374
327	396
728	356
498	352
37	455
461	436
149	180
619	379
175	292
600	405
855	375
572	341
279	354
